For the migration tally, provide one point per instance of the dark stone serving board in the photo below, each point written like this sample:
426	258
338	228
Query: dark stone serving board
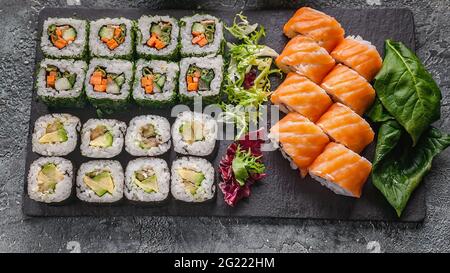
283	194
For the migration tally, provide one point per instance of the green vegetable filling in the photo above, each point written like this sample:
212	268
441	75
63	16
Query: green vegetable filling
244	164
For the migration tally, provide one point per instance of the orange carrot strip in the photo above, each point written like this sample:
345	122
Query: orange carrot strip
196	39
149	89
95	80
202	42
117	32
112	44
100	87
192	86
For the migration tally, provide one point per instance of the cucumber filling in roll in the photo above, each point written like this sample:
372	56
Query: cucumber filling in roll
152	82
191	179
199	79
61	35
48	177
160	35
192	131
102	81
59	80
101	137
100	182
113	35
203	32
146	179
54	133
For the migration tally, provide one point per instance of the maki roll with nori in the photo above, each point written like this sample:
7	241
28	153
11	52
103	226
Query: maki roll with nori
108	83
60	83
201	77
155	83
147	180
192	179
148	136
194	134
201	35
100	181
112	38
102	138
50	180
157	37
64	38
55	134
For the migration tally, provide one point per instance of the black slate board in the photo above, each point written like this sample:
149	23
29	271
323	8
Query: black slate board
283	194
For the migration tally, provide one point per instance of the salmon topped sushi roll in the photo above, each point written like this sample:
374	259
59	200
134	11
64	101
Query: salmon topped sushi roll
359	55
324	29
341	170
305	57
299	140
301	95
346	127
346	86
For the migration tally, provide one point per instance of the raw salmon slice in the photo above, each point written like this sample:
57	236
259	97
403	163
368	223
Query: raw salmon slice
301	95
341	170
305	57
346	127
324	29
299	140
348	87
359	55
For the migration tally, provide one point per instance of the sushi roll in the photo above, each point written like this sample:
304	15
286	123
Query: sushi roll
102	138
359	55
346	86
201	35
346	127
157	37
111	38
305	57
64	38
55	134
108	83
194	134
100	181
50	180
341	170
192	180
201	78
299	140
299	94
60	83
155	83
147	180
320	27
148	136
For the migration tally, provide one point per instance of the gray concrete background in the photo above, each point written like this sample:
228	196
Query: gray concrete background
168	234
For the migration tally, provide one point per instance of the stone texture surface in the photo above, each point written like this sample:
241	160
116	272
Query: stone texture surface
165	234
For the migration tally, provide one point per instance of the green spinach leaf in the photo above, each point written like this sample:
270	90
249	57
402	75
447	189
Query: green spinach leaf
377	113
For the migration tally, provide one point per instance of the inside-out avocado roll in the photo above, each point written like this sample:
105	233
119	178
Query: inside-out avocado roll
192	179
201	35
108	83
60	82
155	83
157	37
147	180
201	77
50	180
102	138
64	38
148	136
111	38
194	134
55	134
100	181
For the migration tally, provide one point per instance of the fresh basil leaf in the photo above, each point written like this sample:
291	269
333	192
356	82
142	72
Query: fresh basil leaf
377	113
407	90
399	167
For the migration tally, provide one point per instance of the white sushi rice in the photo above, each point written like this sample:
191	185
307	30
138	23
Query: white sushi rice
134	192
144	24
75	49
169	69
63	188
117	129
198	148
189	49
216	64
72	66
332	186
207	188
71	125
100	49
133	136
112	66
84	193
